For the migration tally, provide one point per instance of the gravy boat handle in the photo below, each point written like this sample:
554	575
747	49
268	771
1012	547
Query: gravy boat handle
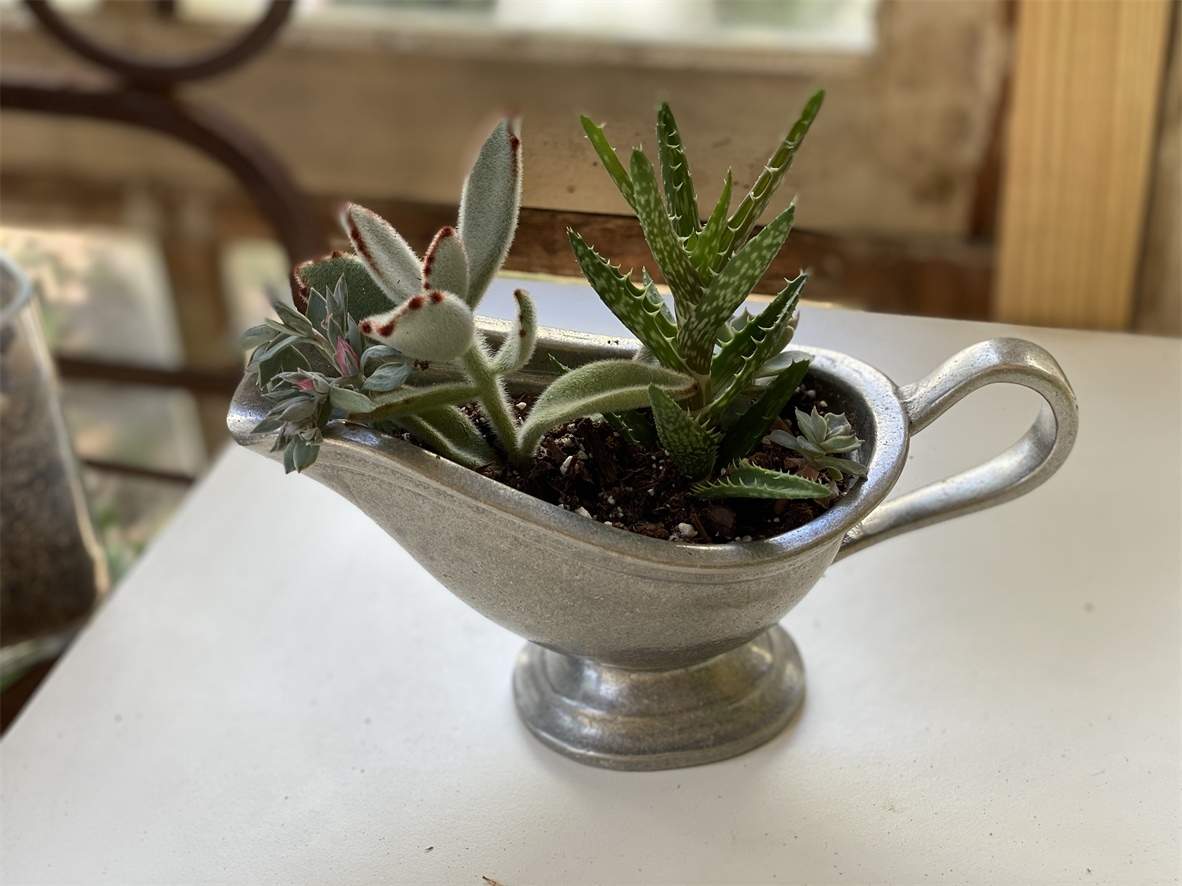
1024	466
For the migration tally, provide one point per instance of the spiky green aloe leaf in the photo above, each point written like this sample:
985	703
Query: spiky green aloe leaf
637	427
607	156
602	386
753	424
746	342
363	295
518	345
675	173
705	247
390	261
745	480
755	202
489	206
696	336
663	241
445	264
757	343
690	443
450	433
643	311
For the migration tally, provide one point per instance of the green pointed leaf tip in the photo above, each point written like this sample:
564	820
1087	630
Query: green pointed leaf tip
690	444
601	386
663	241
607	156
705	252
643	311
762	338
729	289
430	326
753	424
445	264
389	260
675	173
756	200
745	480
489	207
518	346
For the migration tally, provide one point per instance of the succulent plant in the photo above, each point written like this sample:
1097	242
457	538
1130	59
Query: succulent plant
742	379
421	311
823	439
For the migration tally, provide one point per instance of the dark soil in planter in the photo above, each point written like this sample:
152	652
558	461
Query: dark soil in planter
587	467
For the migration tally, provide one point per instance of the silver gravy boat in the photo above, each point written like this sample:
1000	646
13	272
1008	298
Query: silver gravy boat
649	654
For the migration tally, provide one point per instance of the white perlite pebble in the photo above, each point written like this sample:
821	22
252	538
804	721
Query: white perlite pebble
686	531
583	512
521	404
611	500
565	466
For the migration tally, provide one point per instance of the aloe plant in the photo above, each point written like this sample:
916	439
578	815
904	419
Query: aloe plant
418	311
742	382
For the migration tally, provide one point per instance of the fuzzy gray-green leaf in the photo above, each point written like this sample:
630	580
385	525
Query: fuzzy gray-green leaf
728	290
489	206
675	173
690	444
518	346
445	264
390	261
411	401
602	386
450	433
756	200
641	310
663	241
745	480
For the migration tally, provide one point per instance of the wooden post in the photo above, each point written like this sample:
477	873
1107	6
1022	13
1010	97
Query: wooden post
1087	78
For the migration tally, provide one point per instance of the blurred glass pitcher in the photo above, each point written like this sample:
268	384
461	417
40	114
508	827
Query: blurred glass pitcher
52	570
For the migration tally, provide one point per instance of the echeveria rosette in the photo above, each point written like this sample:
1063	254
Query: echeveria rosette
822	440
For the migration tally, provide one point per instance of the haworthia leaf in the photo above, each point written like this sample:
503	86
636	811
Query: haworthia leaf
518	346
445	264
746	480
727	291
389	260
364	296
452	434
707	244
745	434
690	444
770	325
489	206
666	246
602	386
607	156
432	326
756	200
675	173
643	311
412	401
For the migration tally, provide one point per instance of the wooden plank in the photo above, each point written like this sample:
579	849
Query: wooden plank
930	276
358	112
1159	288
1085	98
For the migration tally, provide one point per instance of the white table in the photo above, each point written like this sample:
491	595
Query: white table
278	694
